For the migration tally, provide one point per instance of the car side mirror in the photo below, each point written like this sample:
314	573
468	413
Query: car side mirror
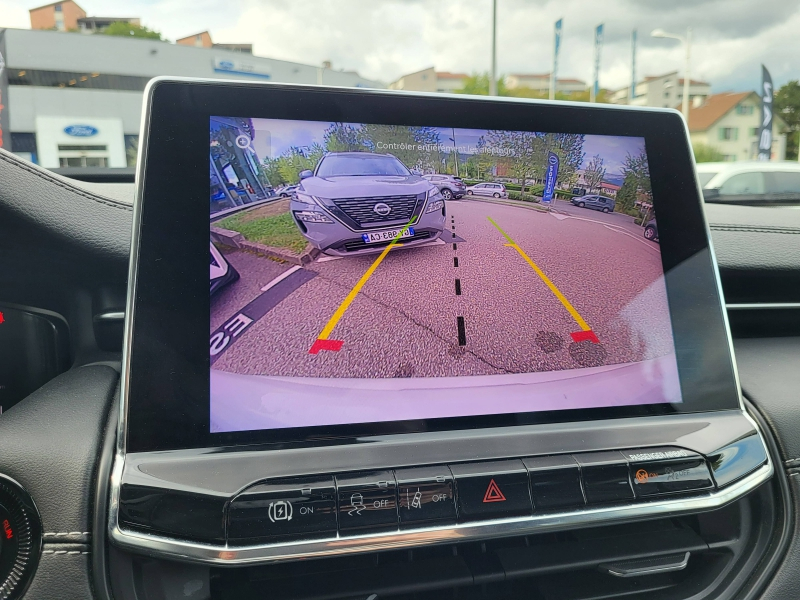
710	194
305	174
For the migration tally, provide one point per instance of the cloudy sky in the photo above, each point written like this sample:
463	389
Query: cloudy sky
383	39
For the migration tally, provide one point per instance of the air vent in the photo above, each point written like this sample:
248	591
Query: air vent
702	556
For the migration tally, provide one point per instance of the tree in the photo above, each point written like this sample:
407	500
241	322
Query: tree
704	153
344	137
477	84
416	147
521	152
569	149
594	172
628	193
786	102
122	28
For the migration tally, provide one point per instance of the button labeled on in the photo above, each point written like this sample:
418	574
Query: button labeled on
493	490
291	508
425	495
367	502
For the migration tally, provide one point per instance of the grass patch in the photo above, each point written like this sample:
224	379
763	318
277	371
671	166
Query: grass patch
277	230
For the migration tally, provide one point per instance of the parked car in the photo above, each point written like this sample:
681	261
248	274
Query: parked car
751	182
450	186
222	272
595	202
358	202
496	190
651	230
287	190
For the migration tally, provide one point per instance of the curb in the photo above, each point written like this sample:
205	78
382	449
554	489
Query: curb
234	239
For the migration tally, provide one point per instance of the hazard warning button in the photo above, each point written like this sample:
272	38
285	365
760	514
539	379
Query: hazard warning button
492	490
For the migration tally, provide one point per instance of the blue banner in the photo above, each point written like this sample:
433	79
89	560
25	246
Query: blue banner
554	72
598	45
550	177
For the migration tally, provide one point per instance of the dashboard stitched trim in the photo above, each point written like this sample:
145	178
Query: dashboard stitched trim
67	186
751	229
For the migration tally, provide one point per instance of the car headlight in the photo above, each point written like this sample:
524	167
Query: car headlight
312	216
435	201
304	198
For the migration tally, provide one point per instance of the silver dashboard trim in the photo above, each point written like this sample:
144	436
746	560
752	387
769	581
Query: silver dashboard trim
225	555
764	306
339	546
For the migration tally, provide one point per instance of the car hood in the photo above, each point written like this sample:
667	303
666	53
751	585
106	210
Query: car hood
357	186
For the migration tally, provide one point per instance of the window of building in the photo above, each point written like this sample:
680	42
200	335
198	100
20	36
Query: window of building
728	133
753	131
729	157
82	155
24	146
745	109
73	79
743	183
666	94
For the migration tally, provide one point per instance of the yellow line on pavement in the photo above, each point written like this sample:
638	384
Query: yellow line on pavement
326	331
571	309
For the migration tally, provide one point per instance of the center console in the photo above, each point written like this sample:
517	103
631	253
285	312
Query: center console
431	320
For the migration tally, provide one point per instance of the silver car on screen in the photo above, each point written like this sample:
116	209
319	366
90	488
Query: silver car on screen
358	202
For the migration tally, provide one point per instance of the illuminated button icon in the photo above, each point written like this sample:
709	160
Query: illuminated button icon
642	476
280	511
493	493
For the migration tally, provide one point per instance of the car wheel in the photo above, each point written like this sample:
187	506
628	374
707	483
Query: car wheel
469	192
650	232
605	210
284	195
582	204
496	195
447	194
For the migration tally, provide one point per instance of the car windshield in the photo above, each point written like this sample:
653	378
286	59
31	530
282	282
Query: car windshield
338	165
72	80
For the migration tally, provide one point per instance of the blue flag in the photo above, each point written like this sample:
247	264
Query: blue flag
550	177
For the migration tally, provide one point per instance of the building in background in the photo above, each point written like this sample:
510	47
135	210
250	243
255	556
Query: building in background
541	83
68	16
203	40
76	100
430	80
663	91
729	123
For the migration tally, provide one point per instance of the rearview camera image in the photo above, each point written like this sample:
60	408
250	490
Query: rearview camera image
364	273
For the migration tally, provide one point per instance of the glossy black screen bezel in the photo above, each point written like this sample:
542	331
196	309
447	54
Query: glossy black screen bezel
167	365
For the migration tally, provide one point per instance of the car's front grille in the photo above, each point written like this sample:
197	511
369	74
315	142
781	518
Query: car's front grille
362	210
359	245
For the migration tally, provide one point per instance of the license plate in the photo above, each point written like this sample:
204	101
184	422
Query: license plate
386	236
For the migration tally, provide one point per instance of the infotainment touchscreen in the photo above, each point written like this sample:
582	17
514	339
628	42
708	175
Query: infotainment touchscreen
365	273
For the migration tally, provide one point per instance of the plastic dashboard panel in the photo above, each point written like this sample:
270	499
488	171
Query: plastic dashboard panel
203	482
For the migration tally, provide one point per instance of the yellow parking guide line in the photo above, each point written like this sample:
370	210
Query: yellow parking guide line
332	322
571	309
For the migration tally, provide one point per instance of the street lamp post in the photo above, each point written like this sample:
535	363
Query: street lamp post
687	40
493	75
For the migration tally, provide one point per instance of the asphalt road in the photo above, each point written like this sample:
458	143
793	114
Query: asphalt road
480	307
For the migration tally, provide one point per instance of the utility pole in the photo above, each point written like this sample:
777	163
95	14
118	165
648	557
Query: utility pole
493	80
687	75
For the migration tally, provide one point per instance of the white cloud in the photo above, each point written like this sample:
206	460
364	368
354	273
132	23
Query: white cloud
14	14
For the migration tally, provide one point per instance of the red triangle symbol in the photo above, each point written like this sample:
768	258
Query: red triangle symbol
493	493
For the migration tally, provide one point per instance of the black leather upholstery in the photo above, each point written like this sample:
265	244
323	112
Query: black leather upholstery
64	207
50	443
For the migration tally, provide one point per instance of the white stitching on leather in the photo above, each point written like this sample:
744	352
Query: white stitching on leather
792	460
64	552
67	533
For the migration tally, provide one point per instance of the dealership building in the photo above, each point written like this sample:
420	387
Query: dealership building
75	100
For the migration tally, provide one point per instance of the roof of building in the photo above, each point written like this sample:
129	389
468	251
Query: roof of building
448	75
53	4
610	186
544	76
713	109
194	35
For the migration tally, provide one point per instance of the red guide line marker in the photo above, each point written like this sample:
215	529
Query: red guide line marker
582	336
2	318
493	493
332	345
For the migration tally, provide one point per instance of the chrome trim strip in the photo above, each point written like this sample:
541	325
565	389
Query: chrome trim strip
764	306
110	316
271	553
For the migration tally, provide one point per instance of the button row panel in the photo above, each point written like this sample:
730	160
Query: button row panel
409	498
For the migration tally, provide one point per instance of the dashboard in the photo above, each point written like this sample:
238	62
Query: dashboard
484	394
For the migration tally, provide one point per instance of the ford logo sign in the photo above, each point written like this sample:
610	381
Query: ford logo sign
81	130
381	209
226	64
